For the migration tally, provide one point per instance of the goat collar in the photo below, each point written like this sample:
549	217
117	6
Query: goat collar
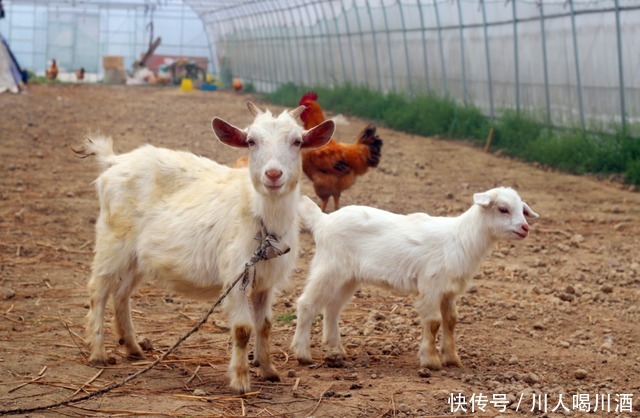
265	251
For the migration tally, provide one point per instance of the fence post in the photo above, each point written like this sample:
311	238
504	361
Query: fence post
300	79
339	43
406	48
389	50
623	110
577	59
375	50
364	57
515	54
424	45
462	60
488	57
350	37
315	56
543	35
322	39
444	69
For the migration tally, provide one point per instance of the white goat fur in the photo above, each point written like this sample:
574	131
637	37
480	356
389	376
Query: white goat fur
189	223
432	257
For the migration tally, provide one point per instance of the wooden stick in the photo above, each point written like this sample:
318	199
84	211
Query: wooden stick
88	382
489	138
35	379
193	375
296	384
319	400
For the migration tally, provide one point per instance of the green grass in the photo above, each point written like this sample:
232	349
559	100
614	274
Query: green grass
286	318
601	150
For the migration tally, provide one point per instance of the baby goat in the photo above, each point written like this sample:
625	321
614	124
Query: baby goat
433	257
190	224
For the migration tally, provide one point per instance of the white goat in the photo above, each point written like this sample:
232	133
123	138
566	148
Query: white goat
433	257
189	223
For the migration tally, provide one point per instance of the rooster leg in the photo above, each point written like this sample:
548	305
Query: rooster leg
336	202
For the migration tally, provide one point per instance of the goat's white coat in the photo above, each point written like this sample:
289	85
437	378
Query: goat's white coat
432	257
189	223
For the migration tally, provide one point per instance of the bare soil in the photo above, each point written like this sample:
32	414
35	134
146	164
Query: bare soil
554	315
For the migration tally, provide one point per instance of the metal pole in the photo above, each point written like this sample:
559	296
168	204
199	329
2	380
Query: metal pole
444	70
545	63
300	79
339	43
577	58
424	45
315	56
322	39
286	40
463	62
350	36
305	48
390	51
623	116
406	48
364	57
515	54
488	58
375	50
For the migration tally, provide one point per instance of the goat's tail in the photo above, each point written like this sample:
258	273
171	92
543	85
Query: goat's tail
310	213
99	145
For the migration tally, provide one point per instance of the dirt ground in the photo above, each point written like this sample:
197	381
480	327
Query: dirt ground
553	317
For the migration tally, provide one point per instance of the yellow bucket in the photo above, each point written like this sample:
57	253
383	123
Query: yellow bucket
186	84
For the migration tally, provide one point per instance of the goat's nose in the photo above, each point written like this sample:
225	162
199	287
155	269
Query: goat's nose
525	227
273	174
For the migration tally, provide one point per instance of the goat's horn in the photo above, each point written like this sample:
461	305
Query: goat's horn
255	110
297	111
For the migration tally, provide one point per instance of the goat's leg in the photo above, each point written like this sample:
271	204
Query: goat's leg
262	323
449	320
239	312
313	298
331	322
430	316
123	324
99	290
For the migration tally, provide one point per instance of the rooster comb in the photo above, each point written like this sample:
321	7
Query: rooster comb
311	95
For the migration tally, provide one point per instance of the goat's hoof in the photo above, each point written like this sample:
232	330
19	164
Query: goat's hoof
102	361
135	356
240	389
335	360
453	361
271	376
305	361
432	365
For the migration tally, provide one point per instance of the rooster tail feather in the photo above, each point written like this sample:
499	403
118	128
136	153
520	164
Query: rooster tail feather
99	145
369	138
310	213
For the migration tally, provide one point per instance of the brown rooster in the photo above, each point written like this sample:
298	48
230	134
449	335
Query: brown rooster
52	72
335	166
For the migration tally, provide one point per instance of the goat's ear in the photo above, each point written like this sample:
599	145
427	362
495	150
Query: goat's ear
528	212
229	134
255	110
318	136
297	111
482	199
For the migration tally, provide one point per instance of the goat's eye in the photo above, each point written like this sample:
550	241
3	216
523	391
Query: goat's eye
251	142
503	210
297	142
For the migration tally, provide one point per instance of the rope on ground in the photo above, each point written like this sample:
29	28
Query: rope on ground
265	251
